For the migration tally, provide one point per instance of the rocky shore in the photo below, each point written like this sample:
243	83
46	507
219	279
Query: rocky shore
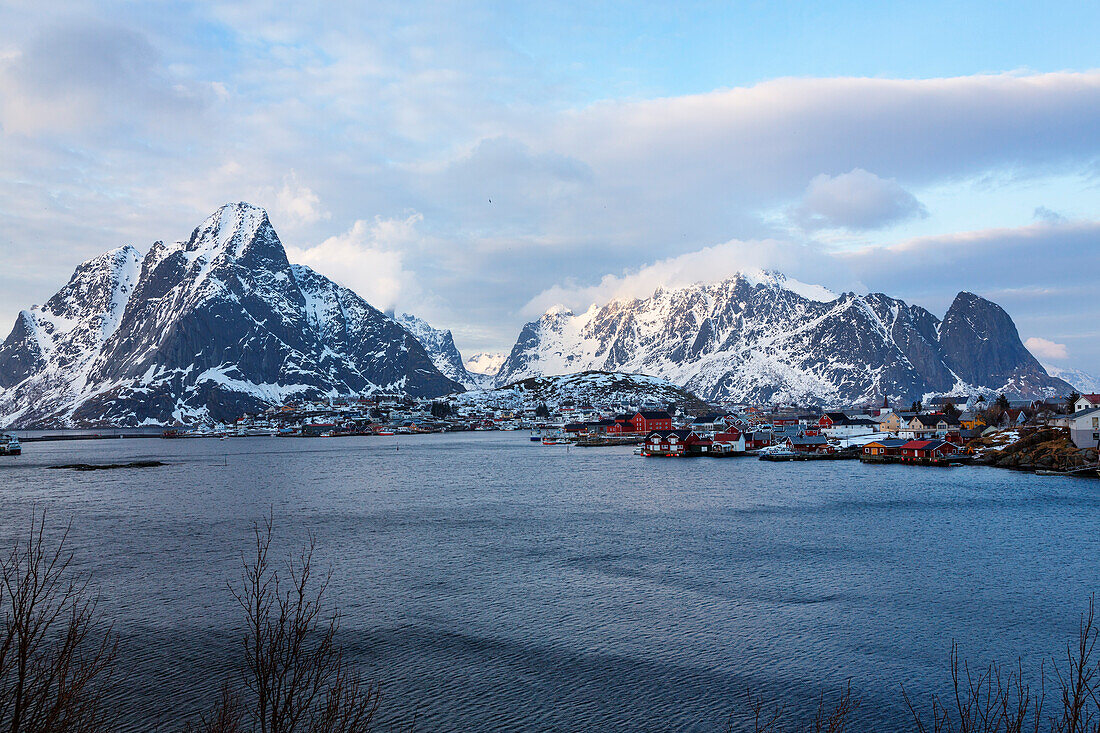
1049	449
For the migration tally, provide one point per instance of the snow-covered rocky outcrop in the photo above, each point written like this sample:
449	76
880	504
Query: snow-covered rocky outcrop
202	329
760	338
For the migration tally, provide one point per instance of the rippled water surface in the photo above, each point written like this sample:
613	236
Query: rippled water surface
494	584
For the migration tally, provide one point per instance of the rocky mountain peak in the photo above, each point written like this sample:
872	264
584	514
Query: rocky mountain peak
980	343
236	233
204	329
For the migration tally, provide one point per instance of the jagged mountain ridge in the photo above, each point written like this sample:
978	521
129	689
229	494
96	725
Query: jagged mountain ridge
203	329
753	338
1083	382
440	345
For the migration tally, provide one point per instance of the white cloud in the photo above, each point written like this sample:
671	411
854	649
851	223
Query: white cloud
1046	349
855	200
369	258
927	271
709	264
298	203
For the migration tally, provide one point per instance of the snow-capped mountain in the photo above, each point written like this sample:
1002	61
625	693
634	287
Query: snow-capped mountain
485	362
203	329
759	338
440	345
1083	382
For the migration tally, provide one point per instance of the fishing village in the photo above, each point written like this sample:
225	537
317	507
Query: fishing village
1048	437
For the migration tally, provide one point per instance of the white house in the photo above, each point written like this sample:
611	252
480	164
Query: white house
1084	428
1086	402
730	441
839	425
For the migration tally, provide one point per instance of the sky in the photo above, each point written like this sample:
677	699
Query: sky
476	163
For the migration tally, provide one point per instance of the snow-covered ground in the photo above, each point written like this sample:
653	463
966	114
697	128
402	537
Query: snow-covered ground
595	388
862	440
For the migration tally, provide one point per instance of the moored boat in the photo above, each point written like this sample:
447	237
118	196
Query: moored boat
9	445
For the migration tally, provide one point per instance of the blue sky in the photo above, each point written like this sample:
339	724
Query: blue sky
639	49
915	149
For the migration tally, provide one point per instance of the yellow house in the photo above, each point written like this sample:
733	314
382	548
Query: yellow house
889	423
971	422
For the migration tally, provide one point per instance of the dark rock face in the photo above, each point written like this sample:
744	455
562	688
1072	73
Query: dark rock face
758	340
980	344
203	329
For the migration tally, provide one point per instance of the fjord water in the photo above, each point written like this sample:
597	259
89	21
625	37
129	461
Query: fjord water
490	583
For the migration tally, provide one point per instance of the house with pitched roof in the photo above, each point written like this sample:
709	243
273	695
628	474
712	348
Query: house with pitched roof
919	451
674	443
1084	428
883	450
1086	402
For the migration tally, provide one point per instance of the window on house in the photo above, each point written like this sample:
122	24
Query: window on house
1095	423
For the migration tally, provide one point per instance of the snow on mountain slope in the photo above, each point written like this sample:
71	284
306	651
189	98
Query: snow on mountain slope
203	329
485	363
54	347
440	345
1081	381
753	338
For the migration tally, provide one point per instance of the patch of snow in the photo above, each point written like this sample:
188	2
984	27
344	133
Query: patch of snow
485	362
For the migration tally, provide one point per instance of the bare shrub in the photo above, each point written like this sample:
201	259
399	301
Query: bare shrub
765	718
997	700
56	653
296	678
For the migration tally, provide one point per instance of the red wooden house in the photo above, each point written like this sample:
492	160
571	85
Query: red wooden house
669	442
920	450
757	439
731	434
645	422
730	440
624	424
